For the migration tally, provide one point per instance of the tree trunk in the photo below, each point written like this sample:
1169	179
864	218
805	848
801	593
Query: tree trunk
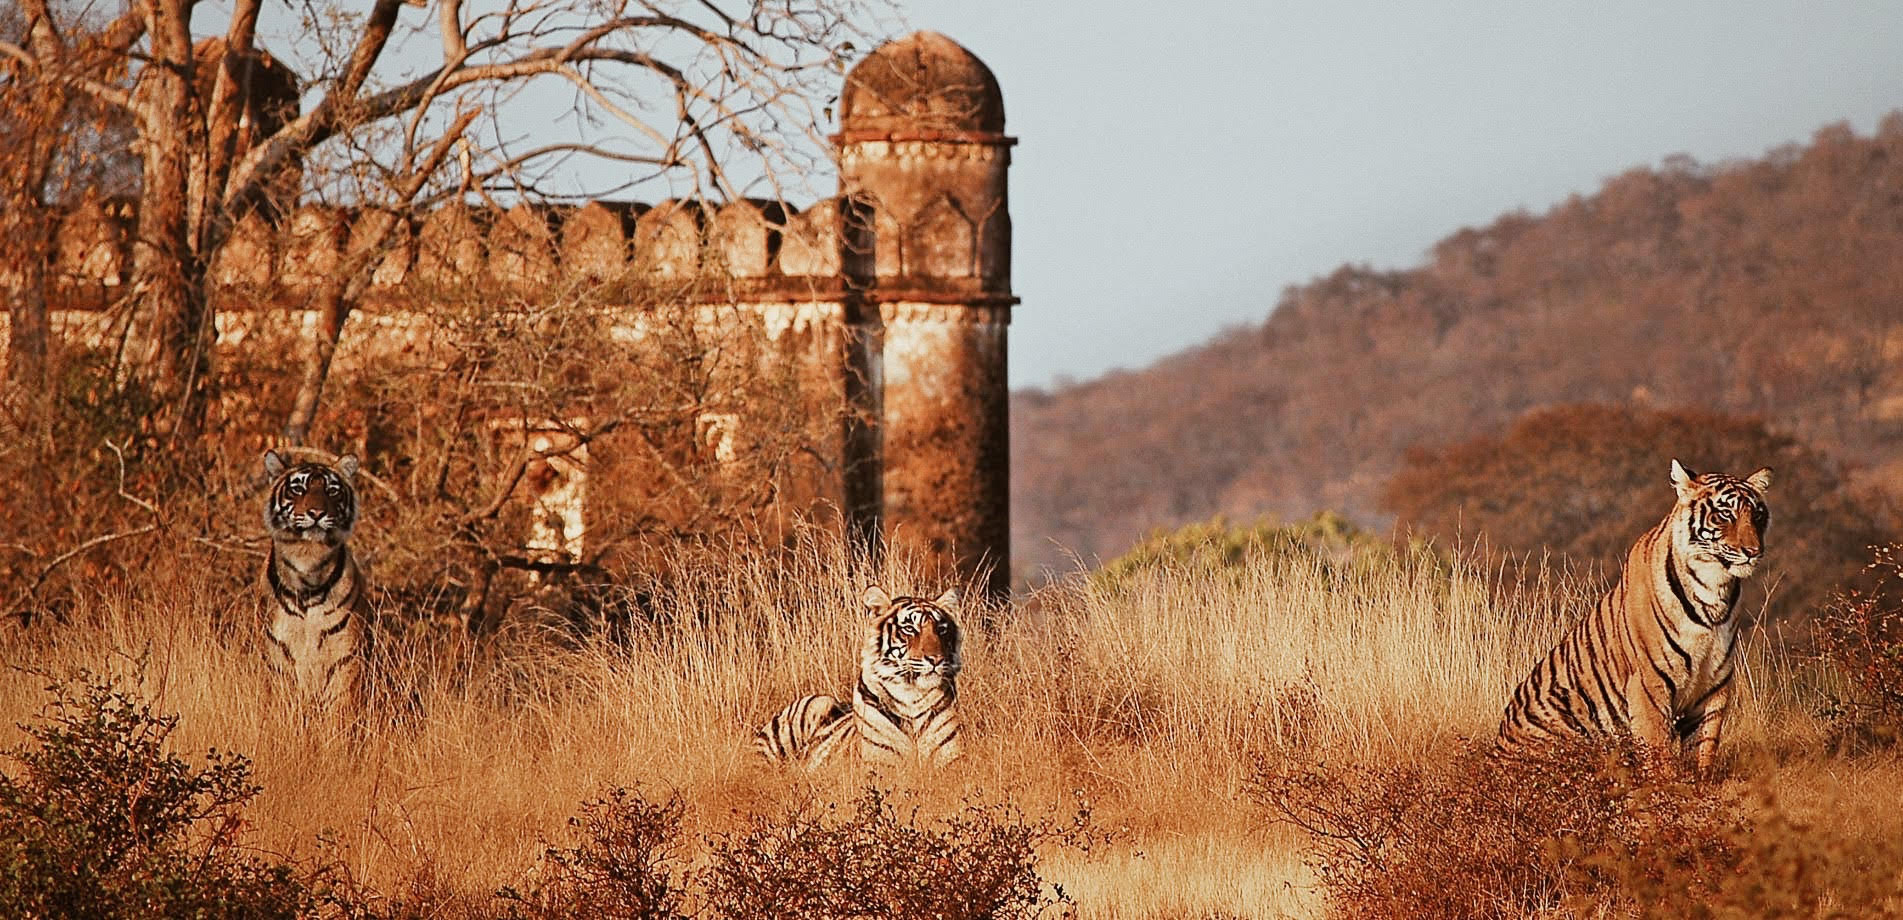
332	311
168	269
28	329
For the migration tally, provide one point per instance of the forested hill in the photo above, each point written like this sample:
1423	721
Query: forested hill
1771	287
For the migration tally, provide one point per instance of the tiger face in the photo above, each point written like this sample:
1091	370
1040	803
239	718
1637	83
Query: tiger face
311	502
913	642
1724	517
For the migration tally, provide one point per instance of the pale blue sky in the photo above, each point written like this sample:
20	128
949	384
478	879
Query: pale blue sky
1180	163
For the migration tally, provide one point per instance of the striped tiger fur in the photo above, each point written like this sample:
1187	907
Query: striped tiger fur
1655	657
315	613
902	709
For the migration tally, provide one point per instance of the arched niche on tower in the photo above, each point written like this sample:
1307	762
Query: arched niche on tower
941	242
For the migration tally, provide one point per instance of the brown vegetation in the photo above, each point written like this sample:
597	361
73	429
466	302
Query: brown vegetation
1156	699
1860	633
1763	287
1473	837
1583	482
520	394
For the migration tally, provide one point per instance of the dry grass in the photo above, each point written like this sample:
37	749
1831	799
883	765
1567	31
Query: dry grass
1150	701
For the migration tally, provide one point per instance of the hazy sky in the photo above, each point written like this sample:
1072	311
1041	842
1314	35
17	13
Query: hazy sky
1180	163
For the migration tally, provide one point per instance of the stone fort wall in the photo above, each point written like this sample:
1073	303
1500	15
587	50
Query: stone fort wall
891	301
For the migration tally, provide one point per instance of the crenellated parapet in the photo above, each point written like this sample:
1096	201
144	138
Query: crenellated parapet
750	249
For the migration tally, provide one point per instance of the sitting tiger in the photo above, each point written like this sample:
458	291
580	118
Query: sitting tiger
315	611
1655	657
902	710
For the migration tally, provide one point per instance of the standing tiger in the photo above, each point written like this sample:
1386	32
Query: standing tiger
315	615
1655	657
902	710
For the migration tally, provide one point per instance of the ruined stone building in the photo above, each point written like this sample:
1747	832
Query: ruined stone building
890	301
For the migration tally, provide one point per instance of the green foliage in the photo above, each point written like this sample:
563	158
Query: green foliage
818	864
99	819
1327	540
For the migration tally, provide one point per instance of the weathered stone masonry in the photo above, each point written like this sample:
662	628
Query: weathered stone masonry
894	296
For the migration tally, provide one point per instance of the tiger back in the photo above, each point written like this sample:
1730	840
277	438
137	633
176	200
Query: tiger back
1654	658
315	615
903	707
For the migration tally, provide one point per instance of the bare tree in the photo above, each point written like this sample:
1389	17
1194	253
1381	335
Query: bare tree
405	107
56	146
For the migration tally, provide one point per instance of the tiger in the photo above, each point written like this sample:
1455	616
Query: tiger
315	612
1654	659
902	709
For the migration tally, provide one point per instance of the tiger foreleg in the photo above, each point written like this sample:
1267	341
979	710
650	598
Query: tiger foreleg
1650	721
1710	724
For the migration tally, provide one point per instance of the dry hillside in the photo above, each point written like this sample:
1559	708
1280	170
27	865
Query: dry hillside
1765	287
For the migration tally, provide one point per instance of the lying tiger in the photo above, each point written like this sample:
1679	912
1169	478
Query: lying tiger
315	612
902	709
1655	657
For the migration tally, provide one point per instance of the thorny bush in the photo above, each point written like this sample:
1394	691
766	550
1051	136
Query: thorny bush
623	865
818	863
1478	837
1860	632
99	819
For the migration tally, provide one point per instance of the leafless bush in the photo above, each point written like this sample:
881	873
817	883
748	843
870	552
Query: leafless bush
1477	837
623	865
819	864
1860	633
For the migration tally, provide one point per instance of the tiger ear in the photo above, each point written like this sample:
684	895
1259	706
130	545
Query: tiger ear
347	465
1682	479
948	600
273	464
1760	480
875	598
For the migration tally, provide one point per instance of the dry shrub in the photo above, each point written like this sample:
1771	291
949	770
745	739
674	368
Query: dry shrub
422	894
1860	633
1778	868
816	863
623	865
99	819
1477	837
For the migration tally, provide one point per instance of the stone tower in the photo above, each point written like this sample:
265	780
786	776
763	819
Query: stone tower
923	157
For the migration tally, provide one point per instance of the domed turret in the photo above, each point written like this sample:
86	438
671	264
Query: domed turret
922	148
923	82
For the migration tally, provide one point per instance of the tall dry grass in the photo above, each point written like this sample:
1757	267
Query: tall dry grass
1148	700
